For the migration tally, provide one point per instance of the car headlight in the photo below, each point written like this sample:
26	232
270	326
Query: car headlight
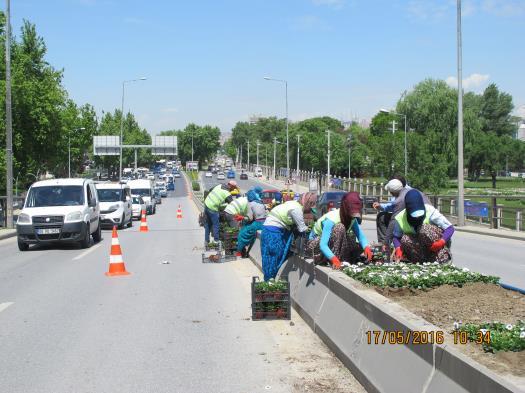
24	219
74	216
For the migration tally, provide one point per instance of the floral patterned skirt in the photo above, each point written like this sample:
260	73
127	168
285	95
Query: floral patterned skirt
416	248
344	245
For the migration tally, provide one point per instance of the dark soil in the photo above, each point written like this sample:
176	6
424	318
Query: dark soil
473	303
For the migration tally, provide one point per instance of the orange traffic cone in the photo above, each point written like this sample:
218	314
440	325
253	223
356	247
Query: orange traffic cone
143	223
116	263
179	212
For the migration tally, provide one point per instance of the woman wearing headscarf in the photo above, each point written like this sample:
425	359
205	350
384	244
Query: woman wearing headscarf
276	236
256	216
421	232
333	237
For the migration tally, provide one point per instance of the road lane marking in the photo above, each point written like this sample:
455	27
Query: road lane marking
3	306
87	252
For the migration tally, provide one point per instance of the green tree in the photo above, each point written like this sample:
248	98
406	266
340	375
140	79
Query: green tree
496	108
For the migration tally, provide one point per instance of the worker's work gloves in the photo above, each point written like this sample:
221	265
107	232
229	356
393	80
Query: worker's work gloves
437	245
336	263
398	255
368	253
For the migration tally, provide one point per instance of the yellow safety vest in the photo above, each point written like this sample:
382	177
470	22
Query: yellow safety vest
215	199
280	212
238	206
402	220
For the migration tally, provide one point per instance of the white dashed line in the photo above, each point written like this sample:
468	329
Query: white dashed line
3	306
87	252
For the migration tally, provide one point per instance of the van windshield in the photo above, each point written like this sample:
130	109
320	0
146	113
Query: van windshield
55	196
109	195
143	192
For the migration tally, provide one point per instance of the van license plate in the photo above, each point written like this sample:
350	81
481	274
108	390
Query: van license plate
48	231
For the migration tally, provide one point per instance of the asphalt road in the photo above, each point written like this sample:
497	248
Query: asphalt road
485	254
181	326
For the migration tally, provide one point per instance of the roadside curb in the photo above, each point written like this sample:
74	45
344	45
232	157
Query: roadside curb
9	234
341	311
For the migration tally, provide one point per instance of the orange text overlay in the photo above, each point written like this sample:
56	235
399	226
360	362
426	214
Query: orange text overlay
416	337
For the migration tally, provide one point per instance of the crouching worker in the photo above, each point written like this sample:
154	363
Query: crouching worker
421	232
236	211
333	237
216	200
257	215
277	235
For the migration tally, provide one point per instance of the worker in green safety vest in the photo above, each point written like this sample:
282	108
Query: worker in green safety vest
216	200
276	236
236	211
333	237
421	232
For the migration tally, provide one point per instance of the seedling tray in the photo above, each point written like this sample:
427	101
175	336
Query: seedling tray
216	247
217	257
270	305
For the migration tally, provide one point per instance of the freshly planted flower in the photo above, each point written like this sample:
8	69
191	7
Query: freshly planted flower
420	276
503	337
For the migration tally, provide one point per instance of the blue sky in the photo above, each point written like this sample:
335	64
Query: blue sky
205	59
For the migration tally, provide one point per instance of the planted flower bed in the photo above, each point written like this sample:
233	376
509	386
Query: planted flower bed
418	276
465	305
270	299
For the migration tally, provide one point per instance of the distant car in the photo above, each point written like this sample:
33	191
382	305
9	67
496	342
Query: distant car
157	195
176	174
268	196
328	201
170	186
244	176
208	174
220	176
231	174
258	172
163	191
137	206
288	195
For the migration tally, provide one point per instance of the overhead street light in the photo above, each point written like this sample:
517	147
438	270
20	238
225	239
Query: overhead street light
69	149
461	185
122	121
405	117
287	137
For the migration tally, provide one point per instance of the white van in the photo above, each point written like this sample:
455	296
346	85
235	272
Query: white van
115	204
144	188
59	210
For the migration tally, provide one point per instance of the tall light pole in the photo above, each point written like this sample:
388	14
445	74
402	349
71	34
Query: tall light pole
8	120
274	155
192	131
298	148
349	140
461	185
69	149
122	122
258	144
248	163
328	159
405	118
287	138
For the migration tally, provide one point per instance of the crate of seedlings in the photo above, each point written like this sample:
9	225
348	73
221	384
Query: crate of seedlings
228	233
213	246
270	299
213	256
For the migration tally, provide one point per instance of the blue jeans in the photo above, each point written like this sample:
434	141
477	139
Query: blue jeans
211	222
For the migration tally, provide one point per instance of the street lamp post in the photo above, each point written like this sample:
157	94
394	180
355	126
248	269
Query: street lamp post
248	162
405	118
287	135
328	159
274	156
298	148
8	120
69	149
349	140
122	122
461	185
258	144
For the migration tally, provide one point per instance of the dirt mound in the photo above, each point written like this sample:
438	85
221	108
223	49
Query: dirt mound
473	303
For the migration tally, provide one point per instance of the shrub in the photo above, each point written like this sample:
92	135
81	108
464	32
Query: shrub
195	185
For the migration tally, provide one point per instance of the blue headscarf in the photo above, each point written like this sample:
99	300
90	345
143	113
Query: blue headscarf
415	207
252	196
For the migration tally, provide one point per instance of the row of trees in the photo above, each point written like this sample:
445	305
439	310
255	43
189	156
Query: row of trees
45	117
431	112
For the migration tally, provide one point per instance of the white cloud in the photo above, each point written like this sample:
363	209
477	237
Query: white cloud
520	111
434	10
504	7
471	82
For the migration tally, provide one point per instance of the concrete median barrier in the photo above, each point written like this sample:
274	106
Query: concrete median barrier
341	311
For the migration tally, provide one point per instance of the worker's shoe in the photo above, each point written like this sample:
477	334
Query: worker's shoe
238	254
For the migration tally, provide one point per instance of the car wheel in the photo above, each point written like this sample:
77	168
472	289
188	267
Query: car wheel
86	241
97	236
121	225
130	222
22	246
